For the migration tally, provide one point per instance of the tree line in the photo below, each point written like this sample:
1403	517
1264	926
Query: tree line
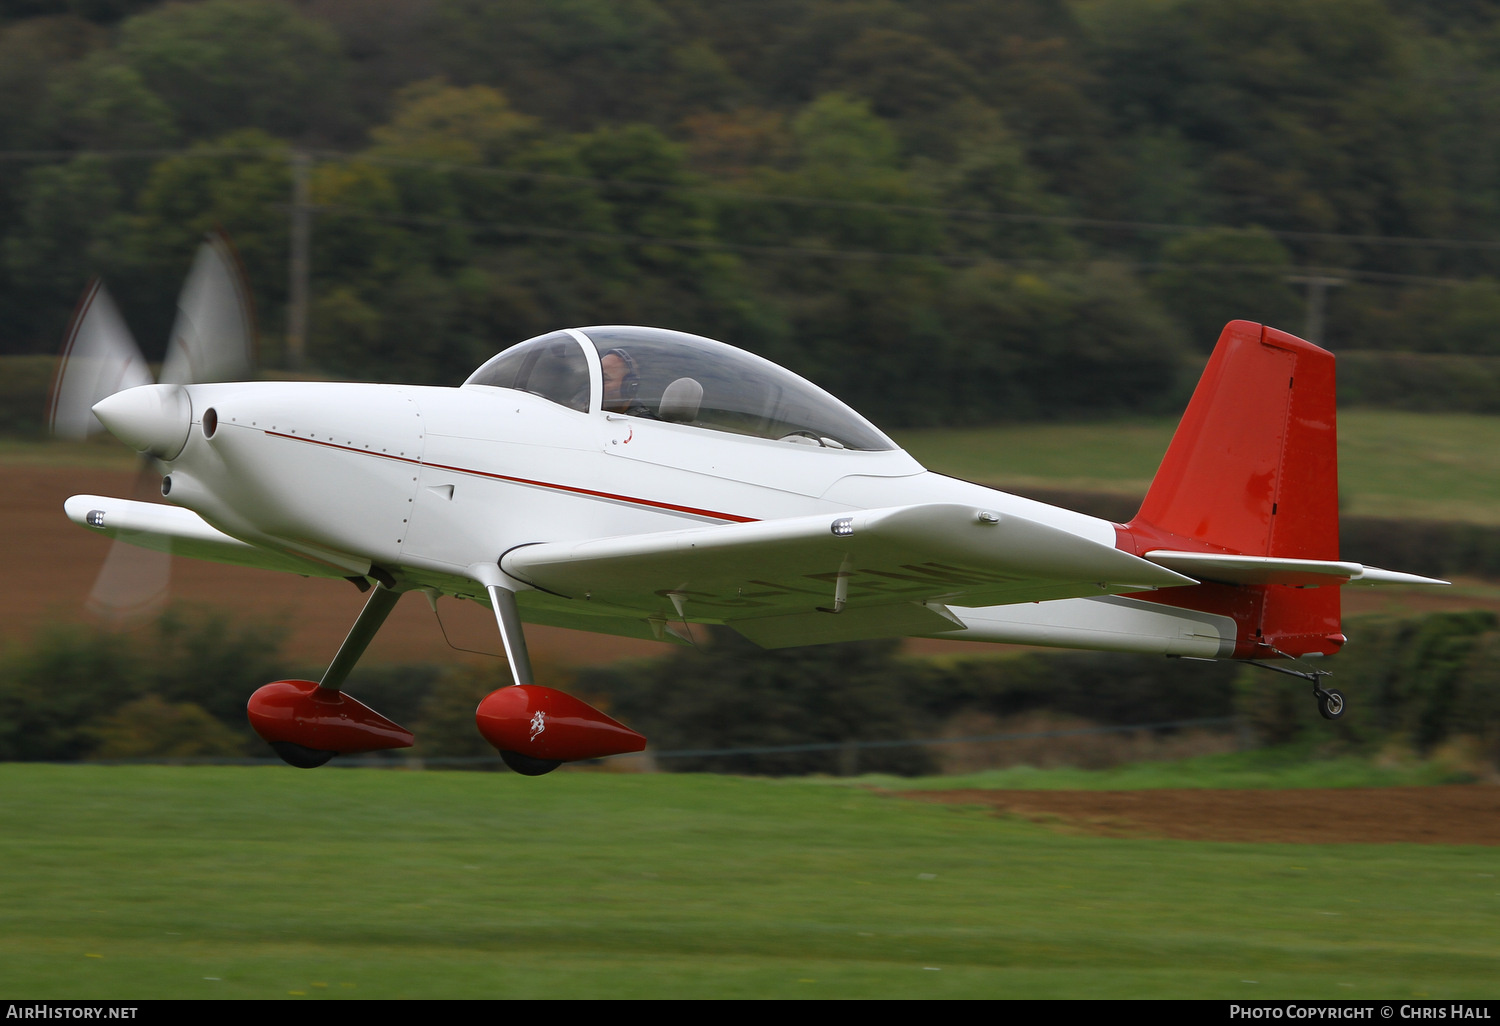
947	211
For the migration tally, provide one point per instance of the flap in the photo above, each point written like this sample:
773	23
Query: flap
857	623
938	552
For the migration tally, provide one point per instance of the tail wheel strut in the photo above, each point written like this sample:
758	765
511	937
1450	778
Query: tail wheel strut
1331	703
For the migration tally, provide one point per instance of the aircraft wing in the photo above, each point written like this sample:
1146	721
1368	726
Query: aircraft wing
155	525
832	577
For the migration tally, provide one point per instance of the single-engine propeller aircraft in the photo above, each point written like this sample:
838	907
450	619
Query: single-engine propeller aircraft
634	480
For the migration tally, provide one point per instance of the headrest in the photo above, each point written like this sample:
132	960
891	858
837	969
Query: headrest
680	401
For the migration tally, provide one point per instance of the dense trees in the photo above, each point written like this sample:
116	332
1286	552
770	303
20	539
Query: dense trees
948	210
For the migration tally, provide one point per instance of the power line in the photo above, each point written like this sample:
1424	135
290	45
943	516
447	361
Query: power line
949	213
952	213
757	249
138	154
829	253
628	238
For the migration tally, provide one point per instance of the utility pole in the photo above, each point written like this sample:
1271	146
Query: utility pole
1317	292
296	313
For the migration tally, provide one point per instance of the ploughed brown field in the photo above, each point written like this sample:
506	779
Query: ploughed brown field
50	565
1462	814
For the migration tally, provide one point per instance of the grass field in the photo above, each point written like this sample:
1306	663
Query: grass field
155	882
1391	464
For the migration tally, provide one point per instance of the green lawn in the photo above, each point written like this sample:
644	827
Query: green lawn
156	882
1391	464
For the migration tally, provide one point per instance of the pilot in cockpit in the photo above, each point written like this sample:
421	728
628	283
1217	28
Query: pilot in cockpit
622	384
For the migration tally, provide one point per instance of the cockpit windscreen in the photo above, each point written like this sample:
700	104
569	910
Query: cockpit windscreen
552	366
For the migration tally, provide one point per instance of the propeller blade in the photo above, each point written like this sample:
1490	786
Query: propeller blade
99	359
133	582
213	338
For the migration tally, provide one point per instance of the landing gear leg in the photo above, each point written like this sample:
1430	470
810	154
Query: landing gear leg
513	637
306	724
535	728
1331	704
377	607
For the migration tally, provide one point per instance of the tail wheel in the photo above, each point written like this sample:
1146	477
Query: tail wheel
1331	704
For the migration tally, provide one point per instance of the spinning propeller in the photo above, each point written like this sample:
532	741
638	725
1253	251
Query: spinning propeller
213	339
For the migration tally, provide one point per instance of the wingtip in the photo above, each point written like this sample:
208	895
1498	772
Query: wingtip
1373	575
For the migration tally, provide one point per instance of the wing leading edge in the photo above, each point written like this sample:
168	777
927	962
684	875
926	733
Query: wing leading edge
873	573
155	525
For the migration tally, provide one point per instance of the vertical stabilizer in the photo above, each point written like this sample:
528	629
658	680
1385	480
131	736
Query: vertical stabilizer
1253	469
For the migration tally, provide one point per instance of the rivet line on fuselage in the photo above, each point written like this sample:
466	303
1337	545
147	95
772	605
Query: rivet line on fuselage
610	496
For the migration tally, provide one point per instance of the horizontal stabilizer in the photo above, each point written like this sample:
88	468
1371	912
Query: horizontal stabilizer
1373	575
155	525
1298	573
937	552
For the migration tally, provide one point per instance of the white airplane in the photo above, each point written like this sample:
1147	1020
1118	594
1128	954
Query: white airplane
633	480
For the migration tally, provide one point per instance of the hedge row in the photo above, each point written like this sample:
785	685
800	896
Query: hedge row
179	691
1420	382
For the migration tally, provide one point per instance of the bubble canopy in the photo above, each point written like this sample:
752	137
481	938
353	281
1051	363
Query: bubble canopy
671	376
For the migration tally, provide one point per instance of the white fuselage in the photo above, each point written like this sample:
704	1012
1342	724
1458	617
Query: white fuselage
426	482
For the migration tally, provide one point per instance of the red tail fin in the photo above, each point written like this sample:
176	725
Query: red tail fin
1253	469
